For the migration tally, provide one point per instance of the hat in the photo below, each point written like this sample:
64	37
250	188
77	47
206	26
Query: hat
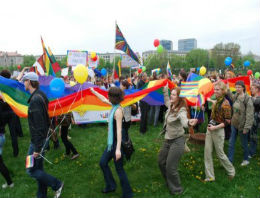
30	76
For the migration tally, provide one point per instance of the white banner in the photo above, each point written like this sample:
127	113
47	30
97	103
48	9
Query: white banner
75	57
65	72
127	61
97	117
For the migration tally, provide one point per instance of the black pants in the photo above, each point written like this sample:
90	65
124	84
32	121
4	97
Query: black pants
18	126
144	116
11	120
4	171
68	145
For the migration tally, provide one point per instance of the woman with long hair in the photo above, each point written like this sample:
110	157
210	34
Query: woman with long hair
176	119
113	149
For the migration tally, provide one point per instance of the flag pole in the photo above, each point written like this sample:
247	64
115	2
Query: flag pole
114	58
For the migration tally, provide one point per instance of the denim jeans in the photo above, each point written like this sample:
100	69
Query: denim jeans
253	136
232	142
2	141
44	180
154	114
109	179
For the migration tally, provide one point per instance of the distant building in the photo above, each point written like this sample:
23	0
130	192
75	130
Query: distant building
108	57
167	44
8	59
187	45
146	54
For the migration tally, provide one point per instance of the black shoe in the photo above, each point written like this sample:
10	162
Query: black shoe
108	191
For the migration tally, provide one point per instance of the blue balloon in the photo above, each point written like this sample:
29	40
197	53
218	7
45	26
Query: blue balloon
117	83
97	72
198	69
247	63
103	71
57	87
228	61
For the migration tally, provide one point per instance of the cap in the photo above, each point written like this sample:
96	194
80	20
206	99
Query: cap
30	76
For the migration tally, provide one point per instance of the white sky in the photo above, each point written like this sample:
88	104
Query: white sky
90	25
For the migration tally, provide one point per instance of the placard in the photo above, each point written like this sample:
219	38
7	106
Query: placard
75	57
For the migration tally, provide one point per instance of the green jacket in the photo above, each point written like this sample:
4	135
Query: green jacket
243	112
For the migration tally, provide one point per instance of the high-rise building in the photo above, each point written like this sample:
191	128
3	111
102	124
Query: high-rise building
167	44
187	45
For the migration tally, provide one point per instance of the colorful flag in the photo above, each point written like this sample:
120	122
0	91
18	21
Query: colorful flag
232	82
122	45
119	67
169	71
46	60
39	66
54	63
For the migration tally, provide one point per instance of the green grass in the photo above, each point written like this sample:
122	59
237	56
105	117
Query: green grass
83	177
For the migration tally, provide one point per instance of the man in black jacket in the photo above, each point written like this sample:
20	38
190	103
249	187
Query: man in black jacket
144	107
39	123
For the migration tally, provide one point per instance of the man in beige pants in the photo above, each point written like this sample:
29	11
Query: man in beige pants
220	116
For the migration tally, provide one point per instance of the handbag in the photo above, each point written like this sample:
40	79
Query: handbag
128	148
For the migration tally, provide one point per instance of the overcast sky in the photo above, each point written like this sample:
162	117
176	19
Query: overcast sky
90	25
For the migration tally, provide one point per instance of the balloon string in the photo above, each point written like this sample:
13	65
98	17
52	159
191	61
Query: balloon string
48	136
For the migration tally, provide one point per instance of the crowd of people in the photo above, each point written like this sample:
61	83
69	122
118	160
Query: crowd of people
229	114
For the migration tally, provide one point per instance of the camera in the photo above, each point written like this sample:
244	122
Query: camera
212	123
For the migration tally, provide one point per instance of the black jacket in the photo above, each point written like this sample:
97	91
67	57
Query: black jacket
38	119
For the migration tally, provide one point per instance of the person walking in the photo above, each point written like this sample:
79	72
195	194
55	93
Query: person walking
215	136
176	119
114	148
241	122
39	123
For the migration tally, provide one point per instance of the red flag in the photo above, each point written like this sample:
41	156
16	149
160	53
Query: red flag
115	75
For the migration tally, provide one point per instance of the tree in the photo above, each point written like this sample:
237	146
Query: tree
221	51
28	60
197	57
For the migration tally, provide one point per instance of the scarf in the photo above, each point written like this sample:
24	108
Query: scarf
110	127
217	107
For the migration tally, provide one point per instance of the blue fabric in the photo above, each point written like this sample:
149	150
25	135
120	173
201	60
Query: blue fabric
44	180
110	127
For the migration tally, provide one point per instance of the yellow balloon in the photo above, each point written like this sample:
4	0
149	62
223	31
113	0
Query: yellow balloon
93	55
203	70
80	73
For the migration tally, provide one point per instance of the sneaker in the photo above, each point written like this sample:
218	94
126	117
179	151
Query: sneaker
58	192
209	179
249	156
244	163
69	138
74	156
6	185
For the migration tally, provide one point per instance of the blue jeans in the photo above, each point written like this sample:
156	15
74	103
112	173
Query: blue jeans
109	179
154	113
253	136
232	142
44	180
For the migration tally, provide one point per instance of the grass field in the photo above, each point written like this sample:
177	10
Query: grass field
83	177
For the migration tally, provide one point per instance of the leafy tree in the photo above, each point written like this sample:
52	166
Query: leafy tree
197	57
28	60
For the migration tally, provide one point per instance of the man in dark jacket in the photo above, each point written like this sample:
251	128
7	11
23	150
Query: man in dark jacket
143	105
39	123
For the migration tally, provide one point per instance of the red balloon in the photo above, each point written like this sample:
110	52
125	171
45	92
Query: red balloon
139	71
249	72
19	67
156	43
94	59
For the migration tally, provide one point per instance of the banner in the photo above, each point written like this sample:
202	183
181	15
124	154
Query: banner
97	117
64	72
127	61
75	57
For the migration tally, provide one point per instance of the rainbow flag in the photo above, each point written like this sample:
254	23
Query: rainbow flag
54	63
232	81
46	59
169	71
29	161
77	98
121	44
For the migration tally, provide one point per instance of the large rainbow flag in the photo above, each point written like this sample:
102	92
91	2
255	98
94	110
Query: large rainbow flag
77	98
232	81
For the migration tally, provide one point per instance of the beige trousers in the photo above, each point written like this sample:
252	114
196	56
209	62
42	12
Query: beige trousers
216	138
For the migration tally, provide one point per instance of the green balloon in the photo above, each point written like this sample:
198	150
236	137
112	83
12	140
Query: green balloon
160	49
144	68
257	75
